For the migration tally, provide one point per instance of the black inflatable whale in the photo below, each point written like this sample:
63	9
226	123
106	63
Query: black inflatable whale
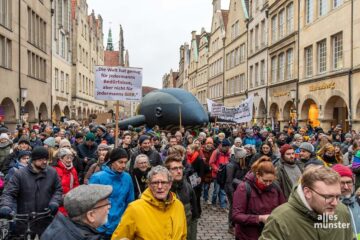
162	108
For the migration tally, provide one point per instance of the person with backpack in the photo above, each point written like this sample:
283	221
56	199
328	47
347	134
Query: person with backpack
254	200
218	160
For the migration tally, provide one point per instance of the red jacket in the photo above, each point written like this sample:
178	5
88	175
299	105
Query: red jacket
65	179
217	158
246	213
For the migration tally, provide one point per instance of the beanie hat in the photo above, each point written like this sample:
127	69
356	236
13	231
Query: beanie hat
209	140
142	138
296	136
102	128
4	130
39	153
117	154
342	170
348	135
240	153
64	143
314	162
24	139
90	137
63	152
4	136
238	140
307	147
23	153
103	146
50	141
225	143
79	135
284	148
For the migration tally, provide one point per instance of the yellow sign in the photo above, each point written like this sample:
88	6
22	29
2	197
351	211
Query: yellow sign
321	86
281	94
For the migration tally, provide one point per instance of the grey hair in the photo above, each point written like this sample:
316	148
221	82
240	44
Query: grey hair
138	157
159	170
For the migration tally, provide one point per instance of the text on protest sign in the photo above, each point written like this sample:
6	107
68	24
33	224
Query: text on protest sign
118	83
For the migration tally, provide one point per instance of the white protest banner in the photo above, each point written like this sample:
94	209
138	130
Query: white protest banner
118	83
214	107
244	112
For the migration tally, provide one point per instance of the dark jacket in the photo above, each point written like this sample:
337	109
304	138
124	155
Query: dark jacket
35	143
85	151
283	179
105	137
9	162
154	157
234	175
63	228
139	179
246	212
28	191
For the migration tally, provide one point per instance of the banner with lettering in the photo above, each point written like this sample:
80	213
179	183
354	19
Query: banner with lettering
240	114
118	83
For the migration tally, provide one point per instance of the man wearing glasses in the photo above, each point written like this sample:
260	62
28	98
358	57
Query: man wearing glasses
183	190
158	214
88	207
313	210
347	195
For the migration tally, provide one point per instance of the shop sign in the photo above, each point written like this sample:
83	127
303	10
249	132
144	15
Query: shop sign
281	94
322	86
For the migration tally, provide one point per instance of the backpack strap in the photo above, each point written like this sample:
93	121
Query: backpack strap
248	191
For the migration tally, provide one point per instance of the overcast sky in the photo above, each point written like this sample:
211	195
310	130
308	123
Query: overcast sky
154	30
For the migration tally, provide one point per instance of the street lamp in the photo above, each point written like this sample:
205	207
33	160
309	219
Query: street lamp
23	96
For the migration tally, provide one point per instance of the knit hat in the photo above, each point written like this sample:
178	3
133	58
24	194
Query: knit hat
240	153
63	152
50	141
39	153
238	140
83	198
342	170
348	135
4	136
4	130
90	137
102	128
79	135
209	140
225	143
142	138
307	147
117	154
103	146
64	143
23	153
24	139
296	136
284	148
314	162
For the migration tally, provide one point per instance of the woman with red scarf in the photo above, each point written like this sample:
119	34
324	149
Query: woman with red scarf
254	199
67	173
197	170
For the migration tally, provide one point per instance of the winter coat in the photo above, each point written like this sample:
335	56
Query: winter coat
198	166
105	137
139	179
9	161
68	178
35	143
28	191
86	151
121	196
207	155
246	210
283	179
293	220
217	158
94	168
151	219
234	175
12	170
154	157
353	205
63	228
4	151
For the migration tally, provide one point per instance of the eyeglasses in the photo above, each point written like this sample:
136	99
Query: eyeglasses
328	198
175	169
156	184
348	183
107	204
69	157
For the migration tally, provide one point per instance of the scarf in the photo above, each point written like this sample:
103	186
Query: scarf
260	185
192	157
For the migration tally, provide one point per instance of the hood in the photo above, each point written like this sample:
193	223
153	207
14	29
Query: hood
148	197
296	202
250	177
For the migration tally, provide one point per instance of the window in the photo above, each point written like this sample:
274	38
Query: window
80	82
273	70
256	37
5	52
251	41
337	3
309	11
337	50
308	62
62	48
256	74
5	13
281	67
290	18
273	29
67	84
251	77
289	64
36	30
322	7
281	23
321	51
242	83
56	79
263	33
36	66
262	72
242	53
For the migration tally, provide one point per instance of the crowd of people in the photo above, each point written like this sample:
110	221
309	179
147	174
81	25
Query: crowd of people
294	183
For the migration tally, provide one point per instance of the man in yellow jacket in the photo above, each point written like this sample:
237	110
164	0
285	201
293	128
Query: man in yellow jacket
158	214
